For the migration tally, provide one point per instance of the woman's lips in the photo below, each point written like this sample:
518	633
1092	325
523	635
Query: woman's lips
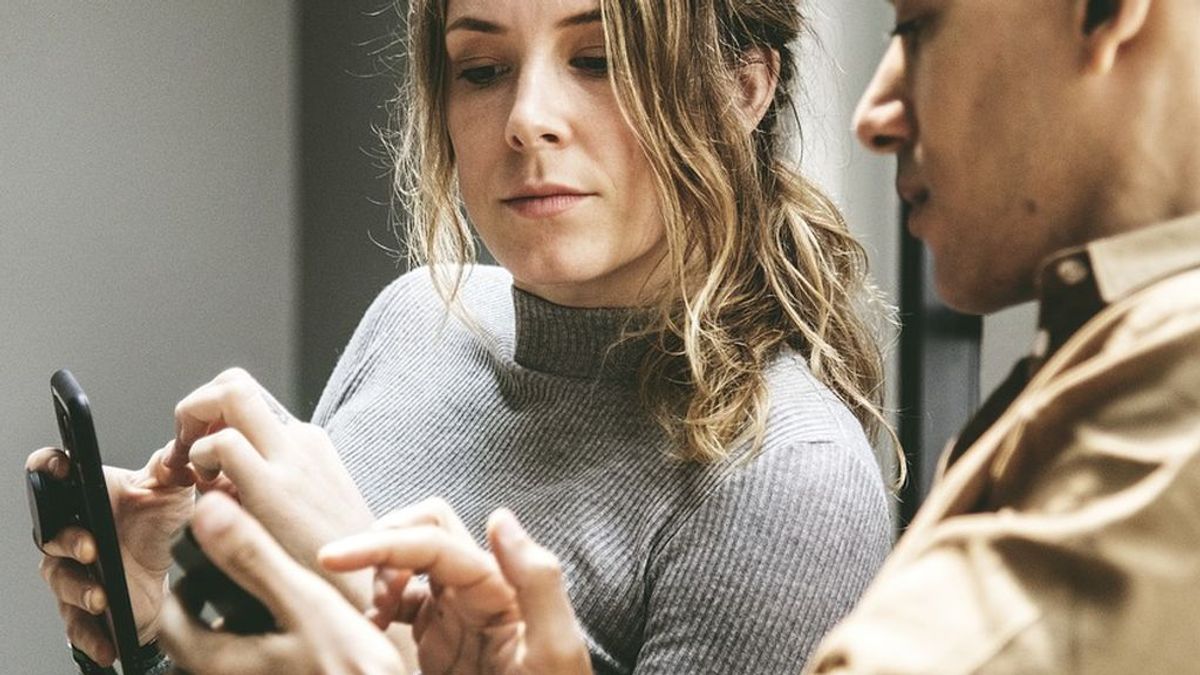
546	206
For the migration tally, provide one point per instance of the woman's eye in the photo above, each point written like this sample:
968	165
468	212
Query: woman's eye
482	76
592	65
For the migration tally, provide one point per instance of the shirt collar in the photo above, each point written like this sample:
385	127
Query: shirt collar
1076	284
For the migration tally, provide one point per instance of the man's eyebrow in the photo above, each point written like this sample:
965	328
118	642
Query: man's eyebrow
480	26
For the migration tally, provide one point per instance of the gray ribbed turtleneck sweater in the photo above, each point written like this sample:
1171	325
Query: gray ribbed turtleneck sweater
672	567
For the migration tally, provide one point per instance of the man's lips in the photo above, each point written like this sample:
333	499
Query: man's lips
915	197
911	192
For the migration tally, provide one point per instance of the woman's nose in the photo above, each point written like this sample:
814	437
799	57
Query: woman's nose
539	117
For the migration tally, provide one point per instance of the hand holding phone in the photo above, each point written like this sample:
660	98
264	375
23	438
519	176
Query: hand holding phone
69	495
83	499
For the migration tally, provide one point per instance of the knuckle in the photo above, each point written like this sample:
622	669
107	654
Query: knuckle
236	393
233	374
55	574
244	554
314	432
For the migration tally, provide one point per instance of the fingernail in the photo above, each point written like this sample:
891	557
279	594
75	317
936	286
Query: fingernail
90	601
81	550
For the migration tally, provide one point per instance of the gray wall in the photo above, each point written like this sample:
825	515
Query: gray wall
147	240
347	72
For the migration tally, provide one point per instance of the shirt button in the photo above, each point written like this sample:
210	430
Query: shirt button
1071	271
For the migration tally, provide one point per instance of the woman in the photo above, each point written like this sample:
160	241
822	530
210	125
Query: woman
668	379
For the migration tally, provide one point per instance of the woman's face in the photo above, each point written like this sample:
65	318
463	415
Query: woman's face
550	172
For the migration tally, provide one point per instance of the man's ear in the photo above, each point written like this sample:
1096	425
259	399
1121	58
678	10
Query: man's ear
1108	26
758	76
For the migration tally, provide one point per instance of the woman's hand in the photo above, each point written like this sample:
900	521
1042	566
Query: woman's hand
285	472
508	614
319	632
149	506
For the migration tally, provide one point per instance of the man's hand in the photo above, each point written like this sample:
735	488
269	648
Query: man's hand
286	473
508	614
149	506
319	632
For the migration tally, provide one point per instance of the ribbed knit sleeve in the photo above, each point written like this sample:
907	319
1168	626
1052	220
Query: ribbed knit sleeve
753	579
349	369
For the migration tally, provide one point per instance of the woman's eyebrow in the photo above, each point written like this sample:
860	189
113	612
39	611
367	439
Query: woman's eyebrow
471	23
583	18
476	25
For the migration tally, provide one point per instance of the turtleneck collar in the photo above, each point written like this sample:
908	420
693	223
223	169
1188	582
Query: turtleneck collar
575	342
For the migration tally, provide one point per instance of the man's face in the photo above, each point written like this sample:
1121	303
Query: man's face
981	101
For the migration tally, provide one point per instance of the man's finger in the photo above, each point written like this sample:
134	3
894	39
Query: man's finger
228	452
72	542
235	400
220	484
88	634
164	471
242	548
72	585
197	649
49	460
551	632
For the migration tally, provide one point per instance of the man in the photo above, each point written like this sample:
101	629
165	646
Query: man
1046	149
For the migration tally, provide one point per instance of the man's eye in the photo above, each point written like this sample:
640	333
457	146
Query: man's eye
592	65
481	76
909	32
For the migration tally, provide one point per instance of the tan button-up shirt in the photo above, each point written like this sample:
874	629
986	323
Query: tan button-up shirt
1066	538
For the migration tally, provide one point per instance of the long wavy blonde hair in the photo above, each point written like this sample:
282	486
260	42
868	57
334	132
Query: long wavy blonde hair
759	259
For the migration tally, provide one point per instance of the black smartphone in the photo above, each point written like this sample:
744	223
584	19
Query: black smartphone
82	499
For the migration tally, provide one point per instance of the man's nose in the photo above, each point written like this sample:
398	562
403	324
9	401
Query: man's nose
882	121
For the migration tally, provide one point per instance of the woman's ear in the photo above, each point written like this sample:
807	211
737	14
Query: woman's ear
758	76
1108	26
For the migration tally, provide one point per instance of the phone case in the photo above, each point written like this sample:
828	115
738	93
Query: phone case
79	441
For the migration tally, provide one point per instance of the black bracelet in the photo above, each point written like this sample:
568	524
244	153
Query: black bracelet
147	660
